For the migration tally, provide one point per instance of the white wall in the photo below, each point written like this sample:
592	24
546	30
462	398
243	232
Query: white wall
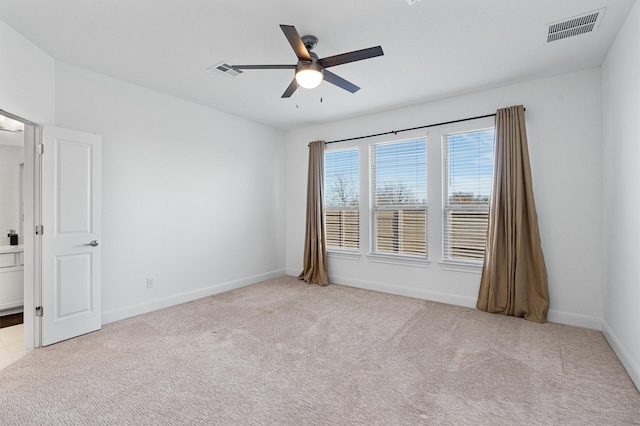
182	183
26	78
621	153
191	196
27	90
564	128
10	157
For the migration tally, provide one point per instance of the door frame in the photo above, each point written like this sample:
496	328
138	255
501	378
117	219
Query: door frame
32	191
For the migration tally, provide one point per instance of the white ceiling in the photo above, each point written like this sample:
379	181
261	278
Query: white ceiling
432	49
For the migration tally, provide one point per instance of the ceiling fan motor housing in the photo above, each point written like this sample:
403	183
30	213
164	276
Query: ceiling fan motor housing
310	42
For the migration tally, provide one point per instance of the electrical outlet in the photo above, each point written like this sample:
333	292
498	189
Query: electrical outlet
151	282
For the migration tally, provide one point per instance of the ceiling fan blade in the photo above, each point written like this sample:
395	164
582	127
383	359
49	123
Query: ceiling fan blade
340	82
296	42
263	67
356	55
291	89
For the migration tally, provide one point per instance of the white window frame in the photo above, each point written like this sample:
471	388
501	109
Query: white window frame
448	263
345	252
394	258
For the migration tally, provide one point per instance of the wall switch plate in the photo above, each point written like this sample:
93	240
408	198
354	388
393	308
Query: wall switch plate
151	282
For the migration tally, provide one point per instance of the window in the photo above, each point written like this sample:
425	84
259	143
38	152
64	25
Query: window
399	198
467	175
341	185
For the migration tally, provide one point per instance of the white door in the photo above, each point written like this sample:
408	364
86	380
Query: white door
71	219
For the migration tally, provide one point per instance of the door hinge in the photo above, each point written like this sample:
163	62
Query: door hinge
40	148
39	230
39	311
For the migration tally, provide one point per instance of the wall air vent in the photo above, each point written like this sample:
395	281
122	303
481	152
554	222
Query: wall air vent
225	69
574	26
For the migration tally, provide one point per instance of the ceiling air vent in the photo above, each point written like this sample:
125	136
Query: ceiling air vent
225	69
574	26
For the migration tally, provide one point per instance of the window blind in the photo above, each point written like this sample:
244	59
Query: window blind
467	174
399	199
342	198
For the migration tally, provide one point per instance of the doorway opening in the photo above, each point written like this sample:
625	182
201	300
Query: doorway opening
19	246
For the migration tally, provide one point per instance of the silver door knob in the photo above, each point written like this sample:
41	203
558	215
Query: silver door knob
93	243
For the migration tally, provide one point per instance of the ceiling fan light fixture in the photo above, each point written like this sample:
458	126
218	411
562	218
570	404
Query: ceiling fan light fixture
309	75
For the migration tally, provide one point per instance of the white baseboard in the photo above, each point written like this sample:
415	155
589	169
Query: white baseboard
627	361
451	299
294	272
188	296
11	311
576	320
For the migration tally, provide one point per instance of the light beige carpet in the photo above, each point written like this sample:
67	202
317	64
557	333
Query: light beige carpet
284	352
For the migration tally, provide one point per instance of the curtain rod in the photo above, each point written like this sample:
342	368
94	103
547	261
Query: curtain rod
394	132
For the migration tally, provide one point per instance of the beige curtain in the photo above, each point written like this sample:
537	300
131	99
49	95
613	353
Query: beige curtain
514	276
315	251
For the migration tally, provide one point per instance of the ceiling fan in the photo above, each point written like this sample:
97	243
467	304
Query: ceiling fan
310	70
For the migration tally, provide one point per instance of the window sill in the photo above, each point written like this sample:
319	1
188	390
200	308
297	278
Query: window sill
452	265
349	255
399	260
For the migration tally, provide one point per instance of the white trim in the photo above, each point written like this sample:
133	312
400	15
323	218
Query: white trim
466	301
435	296
334	146
625	358
11	311
188	296
349	255
339	254
32	243
398	260
576	320
478	124
293	272
449	265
